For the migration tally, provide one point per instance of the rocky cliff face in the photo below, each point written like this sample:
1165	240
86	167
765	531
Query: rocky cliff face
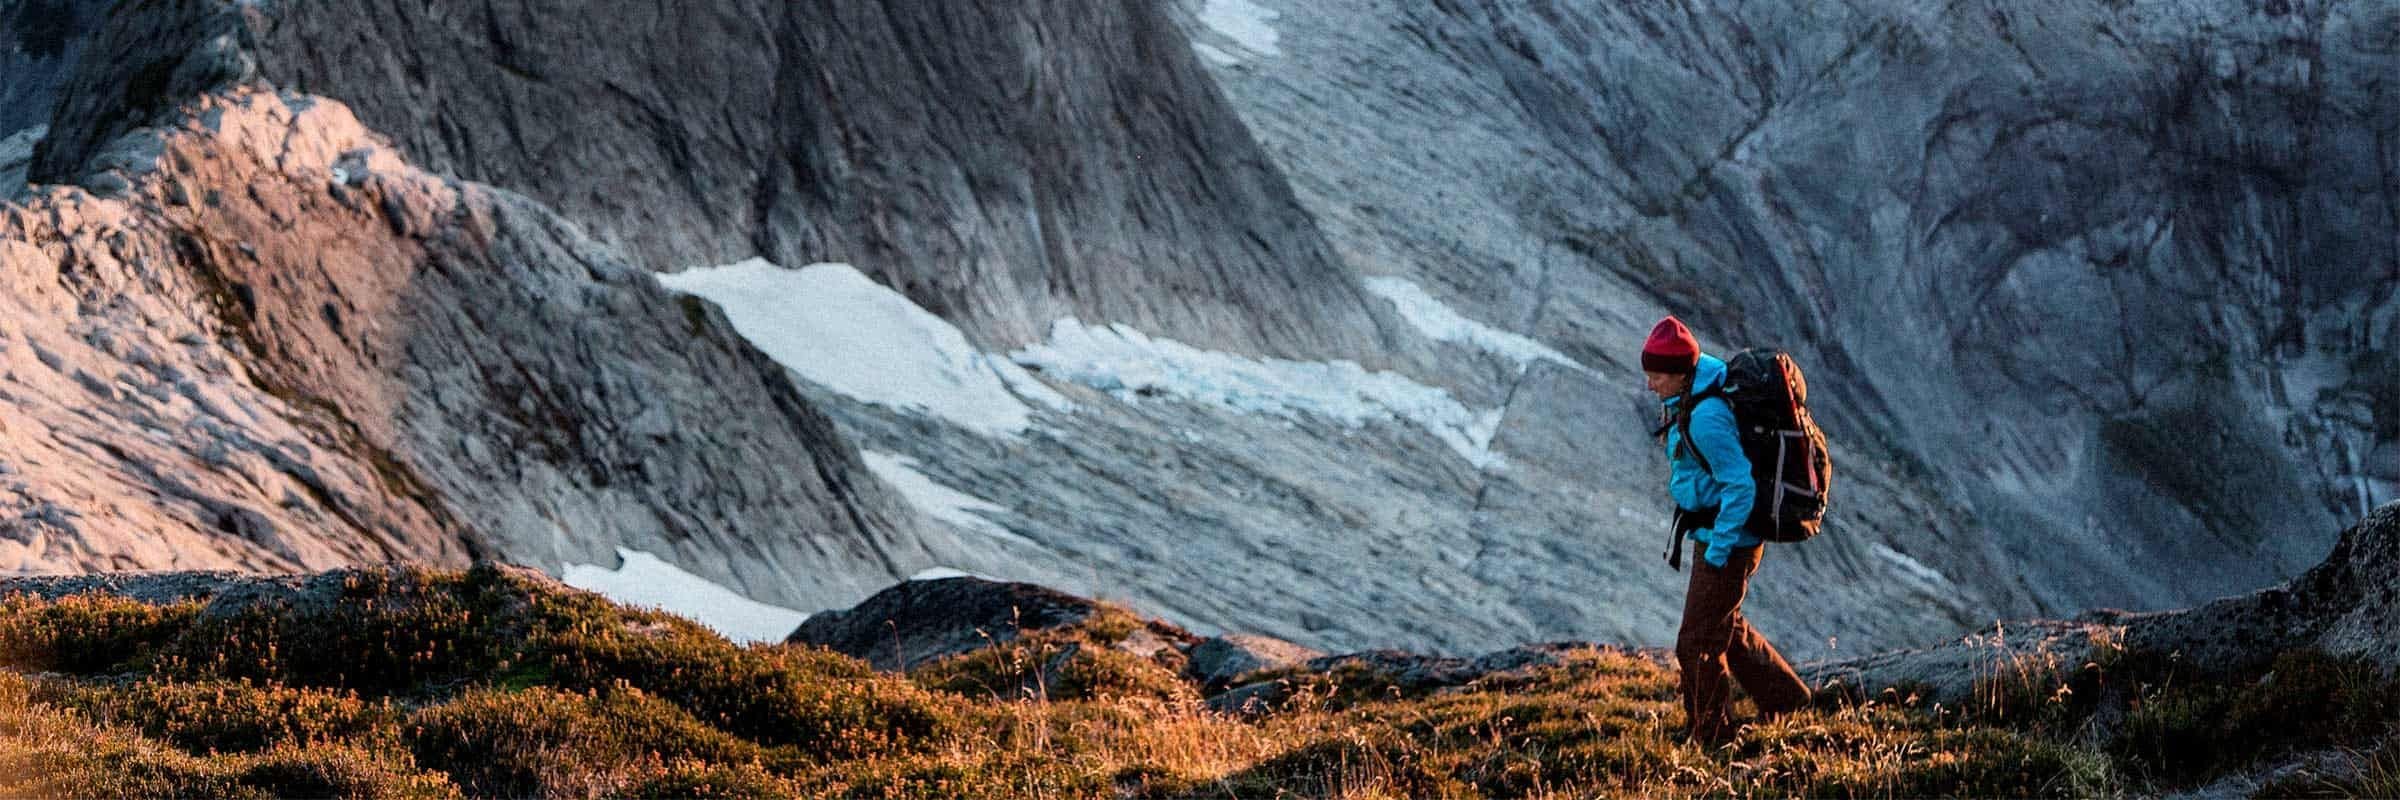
262	340
2116	283
1002	164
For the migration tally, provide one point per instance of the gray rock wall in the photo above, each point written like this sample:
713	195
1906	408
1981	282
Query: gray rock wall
40	42
1002	164
2113	284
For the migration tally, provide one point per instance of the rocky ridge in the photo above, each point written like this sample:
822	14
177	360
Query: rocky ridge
269	343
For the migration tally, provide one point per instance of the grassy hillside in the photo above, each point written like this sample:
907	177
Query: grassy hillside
491	682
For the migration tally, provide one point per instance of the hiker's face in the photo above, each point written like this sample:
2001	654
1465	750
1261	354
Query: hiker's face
1667	384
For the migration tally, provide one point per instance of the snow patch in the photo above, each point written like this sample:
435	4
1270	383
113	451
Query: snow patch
648	582
1130	365
938	573
1927	578
1439	322
1245	22
936	500
1215	54
838	328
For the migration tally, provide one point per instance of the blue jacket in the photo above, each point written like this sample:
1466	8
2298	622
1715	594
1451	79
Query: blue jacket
1726	483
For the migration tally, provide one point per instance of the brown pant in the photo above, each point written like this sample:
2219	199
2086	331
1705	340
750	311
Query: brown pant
1717	641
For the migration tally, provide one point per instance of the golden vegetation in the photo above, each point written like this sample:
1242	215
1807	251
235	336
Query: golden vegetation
486	683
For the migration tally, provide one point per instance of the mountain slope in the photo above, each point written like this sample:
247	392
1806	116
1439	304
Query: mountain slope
1168	280
266	342
2086	279
1002	164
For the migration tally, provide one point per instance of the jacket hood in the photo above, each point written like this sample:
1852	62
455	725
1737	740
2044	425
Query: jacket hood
1709	374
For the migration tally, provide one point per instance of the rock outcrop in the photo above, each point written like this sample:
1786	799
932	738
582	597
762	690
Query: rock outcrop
708	135
2342	607
263	341
2345	606
1217	660
919	621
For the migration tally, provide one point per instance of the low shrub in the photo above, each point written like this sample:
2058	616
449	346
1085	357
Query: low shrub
424	684
343	771
1043	667
543	742
699	780
813	699
86	634
400	631
2183	727
234	716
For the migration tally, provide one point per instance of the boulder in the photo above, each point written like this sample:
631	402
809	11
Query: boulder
1218	660
920	621
2344	606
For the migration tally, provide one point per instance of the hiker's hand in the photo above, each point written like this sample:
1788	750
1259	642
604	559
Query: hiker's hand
1717	555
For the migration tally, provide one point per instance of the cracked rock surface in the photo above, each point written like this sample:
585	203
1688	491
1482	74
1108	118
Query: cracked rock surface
276	346
2098	298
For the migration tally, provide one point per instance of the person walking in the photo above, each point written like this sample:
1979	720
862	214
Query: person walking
1709	479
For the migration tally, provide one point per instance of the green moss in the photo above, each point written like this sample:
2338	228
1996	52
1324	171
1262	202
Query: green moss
1109	624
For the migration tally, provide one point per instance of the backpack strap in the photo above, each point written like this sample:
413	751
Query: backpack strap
1683	421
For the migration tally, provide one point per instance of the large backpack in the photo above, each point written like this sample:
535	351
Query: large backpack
1786	450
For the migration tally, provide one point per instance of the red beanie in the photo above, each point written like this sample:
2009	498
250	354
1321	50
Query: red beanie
1671	349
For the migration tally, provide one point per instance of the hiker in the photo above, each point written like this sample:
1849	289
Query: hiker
1710	480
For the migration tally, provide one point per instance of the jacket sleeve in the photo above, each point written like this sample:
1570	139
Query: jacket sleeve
1713	433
